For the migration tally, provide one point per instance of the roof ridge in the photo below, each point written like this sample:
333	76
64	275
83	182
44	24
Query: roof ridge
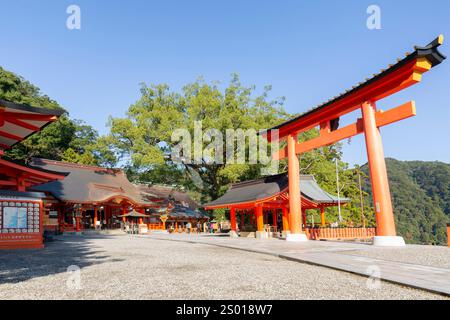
73	165
254	181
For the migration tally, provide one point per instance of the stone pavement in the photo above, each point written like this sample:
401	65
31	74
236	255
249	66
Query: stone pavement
337	255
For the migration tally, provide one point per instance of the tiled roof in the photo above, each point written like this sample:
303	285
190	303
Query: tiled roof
89	184
254	190
168	193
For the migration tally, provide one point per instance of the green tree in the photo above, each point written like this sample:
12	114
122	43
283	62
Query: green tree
143	139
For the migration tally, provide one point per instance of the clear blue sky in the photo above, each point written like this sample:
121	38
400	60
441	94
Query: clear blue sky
308	51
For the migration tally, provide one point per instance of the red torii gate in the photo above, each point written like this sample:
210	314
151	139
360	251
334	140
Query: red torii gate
364	96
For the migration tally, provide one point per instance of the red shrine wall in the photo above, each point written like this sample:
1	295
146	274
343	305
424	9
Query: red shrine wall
21	223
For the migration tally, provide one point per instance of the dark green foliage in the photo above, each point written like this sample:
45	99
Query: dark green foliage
421	199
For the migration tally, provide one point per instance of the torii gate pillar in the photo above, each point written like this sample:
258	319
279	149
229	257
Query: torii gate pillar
295	210
386	233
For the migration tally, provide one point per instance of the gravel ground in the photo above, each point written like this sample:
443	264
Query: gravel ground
433	256
127	267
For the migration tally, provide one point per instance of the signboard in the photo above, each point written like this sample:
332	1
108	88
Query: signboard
14	218
20	222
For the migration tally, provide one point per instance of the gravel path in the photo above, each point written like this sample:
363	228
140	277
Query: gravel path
127	267
433	256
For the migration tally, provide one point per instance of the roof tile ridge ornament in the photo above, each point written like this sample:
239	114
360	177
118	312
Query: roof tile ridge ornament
431	52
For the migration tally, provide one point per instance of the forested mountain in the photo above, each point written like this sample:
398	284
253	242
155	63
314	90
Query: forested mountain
421	199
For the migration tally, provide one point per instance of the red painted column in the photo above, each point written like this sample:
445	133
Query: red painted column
21	184
259	218
322	216
242	218
233	218
294	187
274	217
448	234
77	224
304	217
378	174
285	217
95	217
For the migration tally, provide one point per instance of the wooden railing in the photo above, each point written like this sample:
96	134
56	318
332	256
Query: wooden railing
154	226
340	233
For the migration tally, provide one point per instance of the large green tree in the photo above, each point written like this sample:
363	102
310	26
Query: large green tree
143	139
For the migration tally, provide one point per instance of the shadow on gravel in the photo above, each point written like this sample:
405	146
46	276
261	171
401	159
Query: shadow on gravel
56	257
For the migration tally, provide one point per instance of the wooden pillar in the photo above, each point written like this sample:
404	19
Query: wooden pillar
259	219
21	184
124	219
107	215
448	234
378	175
294	187
60	218
242	218
233	218
322	217
274	217
95	217
77	224
285	217
304	217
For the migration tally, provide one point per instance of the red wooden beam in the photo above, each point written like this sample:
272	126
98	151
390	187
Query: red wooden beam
21	123
8	183
404	73
11	165
30	116
327	138
10	136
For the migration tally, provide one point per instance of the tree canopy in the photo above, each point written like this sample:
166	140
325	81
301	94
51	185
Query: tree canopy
143	138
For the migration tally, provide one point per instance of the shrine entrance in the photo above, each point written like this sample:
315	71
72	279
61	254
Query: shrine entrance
364	97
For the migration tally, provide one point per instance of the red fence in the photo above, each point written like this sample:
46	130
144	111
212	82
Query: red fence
155	226
340	233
